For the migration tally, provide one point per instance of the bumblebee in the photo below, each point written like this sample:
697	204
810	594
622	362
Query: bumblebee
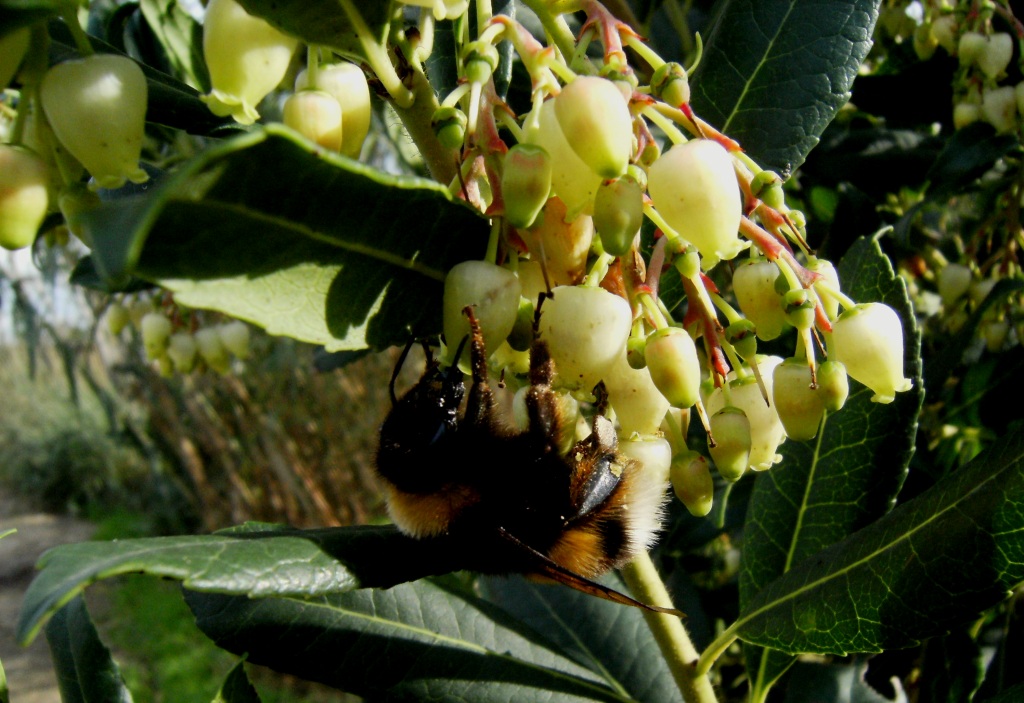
512	501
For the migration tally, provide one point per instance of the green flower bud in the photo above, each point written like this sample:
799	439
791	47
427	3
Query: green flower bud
97	108
635	347
800	407
525	183
799	305
571	178
730	429
639	405
156	331
117	318
594	118
618	214
996	55
316	115
753	282
670	84
480	60
675	368
247	59
563	245
212	350
694	188
999	108
586	330
868	340
449	125
234	336
972	45
346	82
834	384
766	429
23	196
492	290
953	282
182	351
925	42
742	335
767	185
965	113
692	482
826	269
653	452
944	31
994	333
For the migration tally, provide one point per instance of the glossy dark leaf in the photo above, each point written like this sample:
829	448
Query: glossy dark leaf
15	14
417	642
181	38
837	682
953	668
85	671
237	688
950	357
929	565
597	634
775	72
970	152
844	479
255	561
314	246
324	22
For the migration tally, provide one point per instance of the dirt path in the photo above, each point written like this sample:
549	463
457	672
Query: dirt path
30	675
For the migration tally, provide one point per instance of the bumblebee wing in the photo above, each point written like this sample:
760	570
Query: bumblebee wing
543	566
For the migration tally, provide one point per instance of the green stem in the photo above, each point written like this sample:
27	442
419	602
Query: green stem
716	649
560	35
441	161
681	656
377	57
69	12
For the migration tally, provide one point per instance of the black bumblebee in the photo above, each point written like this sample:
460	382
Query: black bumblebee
512	501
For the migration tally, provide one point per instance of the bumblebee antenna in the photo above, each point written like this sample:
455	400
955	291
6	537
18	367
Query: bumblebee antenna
557	572
398	370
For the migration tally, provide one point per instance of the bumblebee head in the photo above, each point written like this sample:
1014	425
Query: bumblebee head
420	422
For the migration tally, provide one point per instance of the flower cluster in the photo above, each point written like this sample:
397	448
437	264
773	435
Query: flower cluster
570	186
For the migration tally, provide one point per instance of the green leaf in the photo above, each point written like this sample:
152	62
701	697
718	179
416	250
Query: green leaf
324	22
969	153
255	561
237	688
270	229
1010	695
933	562
950	357
844	479
837	682
85	671
775	72
413	642
605	637
5	694
181	37
952	670
15	14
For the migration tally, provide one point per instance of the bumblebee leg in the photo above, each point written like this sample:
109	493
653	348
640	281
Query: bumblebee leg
542	407
600	399
480	404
